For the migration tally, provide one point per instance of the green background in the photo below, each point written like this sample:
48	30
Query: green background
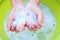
54	5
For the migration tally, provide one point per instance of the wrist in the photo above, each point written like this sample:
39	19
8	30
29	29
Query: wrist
36	2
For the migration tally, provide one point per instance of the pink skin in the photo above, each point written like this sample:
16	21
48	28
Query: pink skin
15	2
12	15
33	7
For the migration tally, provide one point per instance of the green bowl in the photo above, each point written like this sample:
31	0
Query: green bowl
54	5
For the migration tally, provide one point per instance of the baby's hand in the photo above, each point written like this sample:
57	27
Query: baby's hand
19	22
12	16
39	15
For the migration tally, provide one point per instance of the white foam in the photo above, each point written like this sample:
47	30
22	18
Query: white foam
41	34
23	16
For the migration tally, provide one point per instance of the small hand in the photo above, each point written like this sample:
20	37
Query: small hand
39	15
12	16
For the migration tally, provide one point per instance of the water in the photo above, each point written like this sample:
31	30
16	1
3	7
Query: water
43	33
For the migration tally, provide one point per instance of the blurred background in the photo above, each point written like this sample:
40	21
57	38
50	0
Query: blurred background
54	5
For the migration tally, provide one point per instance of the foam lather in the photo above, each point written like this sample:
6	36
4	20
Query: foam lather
25	15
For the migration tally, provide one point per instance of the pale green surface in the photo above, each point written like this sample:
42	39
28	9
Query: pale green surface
58	37
53	4
1	38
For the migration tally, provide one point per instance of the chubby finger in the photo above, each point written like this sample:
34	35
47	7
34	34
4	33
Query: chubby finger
40	18
20	28
32	27
36	25
13	28
9	23
40	21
